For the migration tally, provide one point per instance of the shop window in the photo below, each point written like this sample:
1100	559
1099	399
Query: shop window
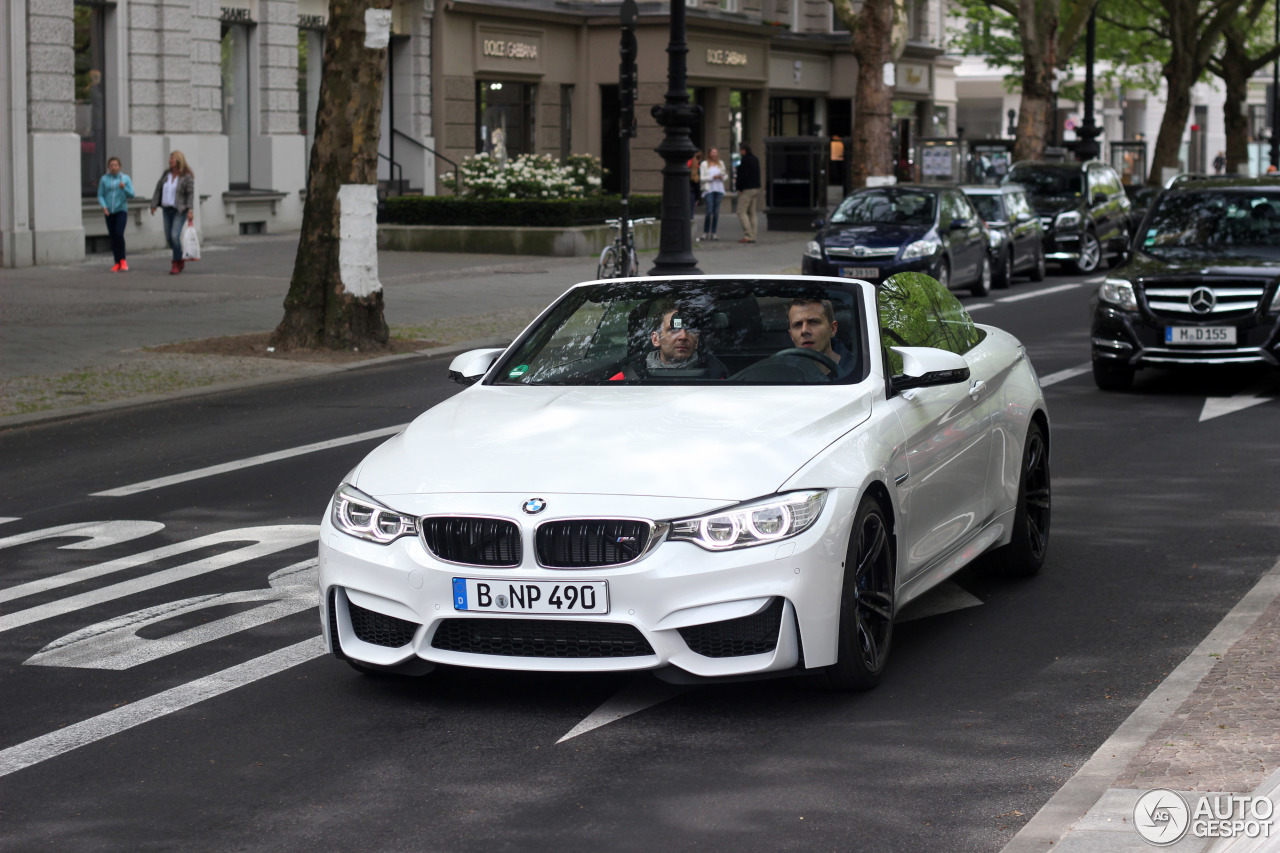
918	21
791	116
90	83
504	118
235	102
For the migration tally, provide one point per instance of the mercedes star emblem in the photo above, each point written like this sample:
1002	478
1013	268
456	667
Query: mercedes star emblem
1202	300
533	506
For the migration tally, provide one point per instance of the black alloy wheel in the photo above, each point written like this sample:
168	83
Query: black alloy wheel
1039	271
944	274
982	286
866	603
1090	253
1025	553
1003	276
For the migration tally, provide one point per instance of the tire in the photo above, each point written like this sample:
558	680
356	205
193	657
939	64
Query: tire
944	274
982	286
1003	277
1025	553
1110	377
1039	271
610	261
866	604
1090	254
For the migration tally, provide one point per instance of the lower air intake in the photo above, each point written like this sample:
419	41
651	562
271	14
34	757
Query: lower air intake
539	638
379	629
746	635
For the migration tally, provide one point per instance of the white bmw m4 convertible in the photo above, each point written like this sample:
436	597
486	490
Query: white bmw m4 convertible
706	477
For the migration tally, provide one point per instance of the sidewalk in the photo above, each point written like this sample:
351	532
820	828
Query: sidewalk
76	338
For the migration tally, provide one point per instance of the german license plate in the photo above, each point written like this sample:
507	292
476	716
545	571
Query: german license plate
869	273
491	595
1199	335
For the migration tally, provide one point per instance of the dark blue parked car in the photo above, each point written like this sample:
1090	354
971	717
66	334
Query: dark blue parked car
879	231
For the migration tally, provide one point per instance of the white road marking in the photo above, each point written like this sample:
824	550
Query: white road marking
226	467
7	519
1216	407
644	692
115	644
126	717
1058	289
975	306
1064	375
262	541
98	534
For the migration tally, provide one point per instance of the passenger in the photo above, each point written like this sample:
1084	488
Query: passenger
812	324
675	340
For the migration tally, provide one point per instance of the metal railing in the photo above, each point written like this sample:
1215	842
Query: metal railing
457	172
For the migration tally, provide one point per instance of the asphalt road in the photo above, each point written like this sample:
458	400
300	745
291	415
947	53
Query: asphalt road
164	697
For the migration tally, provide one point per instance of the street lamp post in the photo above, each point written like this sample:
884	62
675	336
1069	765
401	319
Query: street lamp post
1088	148
1275	98
678	117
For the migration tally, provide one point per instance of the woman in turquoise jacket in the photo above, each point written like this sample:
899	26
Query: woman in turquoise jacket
114	191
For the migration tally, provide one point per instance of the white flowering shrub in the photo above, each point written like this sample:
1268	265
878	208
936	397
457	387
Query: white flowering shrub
529	176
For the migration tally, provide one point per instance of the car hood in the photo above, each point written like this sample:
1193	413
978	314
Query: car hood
1227	264
727	444
873	236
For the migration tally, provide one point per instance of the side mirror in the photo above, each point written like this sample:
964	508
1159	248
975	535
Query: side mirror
1100	198
926	367
959	224
818	223
1023	217
470	367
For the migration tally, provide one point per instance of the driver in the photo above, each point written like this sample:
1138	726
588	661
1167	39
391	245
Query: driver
675	339
812	324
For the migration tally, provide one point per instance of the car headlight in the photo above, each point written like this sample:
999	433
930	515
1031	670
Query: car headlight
921	249
1118	292
356	514
995	238
758	523
1068	219
813	250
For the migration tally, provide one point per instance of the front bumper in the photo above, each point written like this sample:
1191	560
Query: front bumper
884	267
755	610
1136	339
1062	245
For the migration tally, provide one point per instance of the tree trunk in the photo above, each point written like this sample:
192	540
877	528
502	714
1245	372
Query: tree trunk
335	298
1038	31
870	151
1235	75
1177	108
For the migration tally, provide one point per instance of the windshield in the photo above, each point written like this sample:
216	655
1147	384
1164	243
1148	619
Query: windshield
1048	182
1210	221
886	207
694	332
990	207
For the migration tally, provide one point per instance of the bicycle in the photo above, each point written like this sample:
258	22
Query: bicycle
618	259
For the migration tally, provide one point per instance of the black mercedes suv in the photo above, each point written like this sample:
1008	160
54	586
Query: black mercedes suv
1083	208
1202	286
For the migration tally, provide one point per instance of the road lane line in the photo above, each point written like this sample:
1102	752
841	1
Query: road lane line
1021	296
642	693
225	467
1064	375
97	534
121	719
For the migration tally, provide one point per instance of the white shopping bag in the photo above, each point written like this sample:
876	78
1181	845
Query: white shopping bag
190	244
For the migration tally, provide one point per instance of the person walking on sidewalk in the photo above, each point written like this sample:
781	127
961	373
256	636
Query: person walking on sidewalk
175	195
695	179
713	175
748	184
114	191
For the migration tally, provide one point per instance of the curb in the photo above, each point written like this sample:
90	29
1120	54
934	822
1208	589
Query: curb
1059	816
53	415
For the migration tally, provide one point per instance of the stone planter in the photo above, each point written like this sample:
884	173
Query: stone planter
577	241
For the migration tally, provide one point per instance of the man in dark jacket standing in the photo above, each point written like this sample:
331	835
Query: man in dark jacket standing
748	186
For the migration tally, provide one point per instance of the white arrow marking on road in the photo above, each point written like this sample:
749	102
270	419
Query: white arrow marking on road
7	520
98	534
226	467
644	692
943	598
1064	375
1216	407
1045	292
153	707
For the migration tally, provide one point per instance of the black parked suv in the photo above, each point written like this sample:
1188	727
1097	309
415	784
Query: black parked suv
1083	208
1202	287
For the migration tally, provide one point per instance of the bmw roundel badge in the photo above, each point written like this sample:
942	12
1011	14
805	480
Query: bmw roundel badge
533	506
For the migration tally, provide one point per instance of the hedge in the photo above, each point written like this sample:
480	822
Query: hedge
448	210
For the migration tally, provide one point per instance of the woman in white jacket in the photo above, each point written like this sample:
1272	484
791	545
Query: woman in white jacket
712	174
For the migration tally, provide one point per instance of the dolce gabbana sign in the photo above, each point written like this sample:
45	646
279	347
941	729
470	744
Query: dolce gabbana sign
720	56
510	49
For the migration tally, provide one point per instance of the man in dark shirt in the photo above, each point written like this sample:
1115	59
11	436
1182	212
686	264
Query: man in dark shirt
748	186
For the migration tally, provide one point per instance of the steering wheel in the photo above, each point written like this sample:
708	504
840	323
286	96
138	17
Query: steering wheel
809	354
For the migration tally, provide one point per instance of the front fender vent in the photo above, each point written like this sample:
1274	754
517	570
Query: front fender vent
747	635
